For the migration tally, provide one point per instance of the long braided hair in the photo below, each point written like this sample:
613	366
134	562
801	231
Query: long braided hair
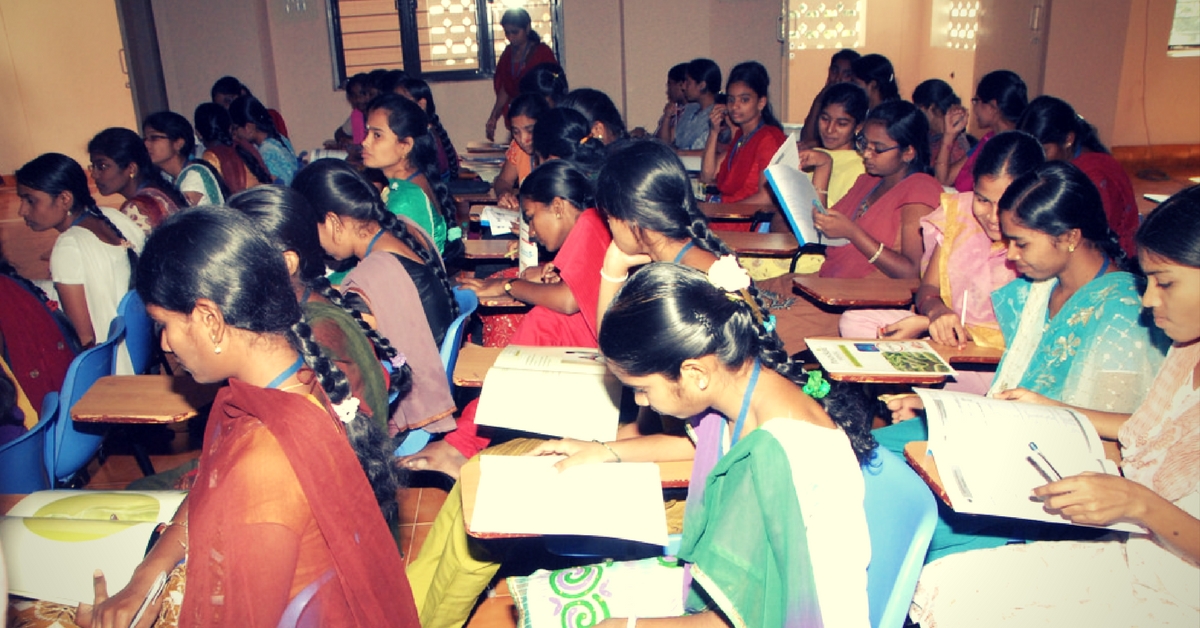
419	90
334	186
645	185
55	173
212	123
125	147
177	127
218	254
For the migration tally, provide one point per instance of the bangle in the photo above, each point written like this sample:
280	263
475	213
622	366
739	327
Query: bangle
607	277
921	303
878	252
611	451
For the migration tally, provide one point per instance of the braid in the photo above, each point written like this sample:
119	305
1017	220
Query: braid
1111	247
131	254
400	379
221	185
443	139
445	200
367	438
428	256
10	271
253	165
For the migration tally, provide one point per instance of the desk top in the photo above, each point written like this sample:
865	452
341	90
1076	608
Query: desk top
761	244
143	399
735	211
971	354
917	455
487	249
673	474
8	500
473	364
868	292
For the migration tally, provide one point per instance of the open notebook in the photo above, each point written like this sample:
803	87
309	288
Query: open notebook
798	198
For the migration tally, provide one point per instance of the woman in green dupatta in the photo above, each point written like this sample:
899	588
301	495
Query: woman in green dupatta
1072	324
776	536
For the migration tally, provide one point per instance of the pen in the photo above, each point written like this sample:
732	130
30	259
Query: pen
155	589
963	318
1040	456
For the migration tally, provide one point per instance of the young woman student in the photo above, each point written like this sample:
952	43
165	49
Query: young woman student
121	165
757	135
999	101
880	215
840	71
523	114
93	258
702	83
280	506
1071	323
446	160
964	263
601	113
947	151
1066	136
524	51
399	280
836	164
238	161
253	124
171	143
692	344
1140	579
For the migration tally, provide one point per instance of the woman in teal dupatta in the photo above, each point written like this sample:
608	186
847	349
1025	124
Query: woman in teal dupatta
776	534
1072	324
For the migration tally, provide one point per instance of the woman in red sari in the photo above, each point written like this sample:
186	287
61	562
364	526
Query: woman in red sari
280	505
524	51
757	135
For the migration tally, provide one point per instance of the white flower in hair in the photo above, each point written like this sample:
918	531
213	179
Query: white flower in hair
347	409
728	275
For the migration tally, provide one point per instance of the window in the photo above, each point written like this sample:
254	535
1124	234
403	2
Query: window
954	24
434	39
825	25
1185	30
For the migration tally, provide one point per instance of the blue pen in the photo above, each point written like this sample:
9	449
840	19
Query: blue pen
1040	456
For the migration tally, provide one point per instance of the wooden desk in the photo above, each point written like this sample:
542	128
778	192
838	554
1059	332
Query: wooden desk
486	147
970	354
744	212
870	292
465	201
143	399
673	474
761	244
488	249
473	364
917	455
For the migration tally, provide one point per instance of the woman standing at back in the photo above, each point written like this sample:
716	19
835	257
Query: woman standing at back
524	51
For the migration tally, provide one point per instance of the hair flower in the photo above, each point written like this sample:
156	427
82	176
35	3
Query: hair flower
399	360
347	409
816	386
728	275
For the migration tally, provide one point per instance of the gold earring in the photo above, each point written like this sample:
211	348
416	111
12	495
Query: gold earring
702	384
216	347
1071	248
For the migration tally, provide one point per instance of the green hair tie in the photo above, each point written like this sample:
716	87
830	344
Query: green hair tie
816	386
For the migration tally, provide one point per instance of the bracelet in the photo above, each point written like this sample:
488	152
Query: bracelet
610	450
921	303
607	277
878	252
182	542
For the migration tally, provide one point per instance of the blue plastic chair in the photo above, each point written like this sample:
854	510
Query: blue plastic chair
468	302
139	332
70	447
22	461
901	513
304	610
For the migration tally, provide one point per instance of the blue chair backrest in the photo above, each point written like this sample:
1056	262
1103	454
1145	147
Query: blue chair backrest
304	610
73	446
901	513
467	303
22	461
139	331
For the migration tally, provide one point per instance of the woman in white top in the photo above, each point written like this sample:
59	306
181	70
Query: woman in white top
171	142
93	258
1147	579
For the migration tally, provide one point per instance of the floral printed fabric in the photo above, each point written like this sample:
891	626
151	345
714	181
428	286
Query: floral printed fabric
583	596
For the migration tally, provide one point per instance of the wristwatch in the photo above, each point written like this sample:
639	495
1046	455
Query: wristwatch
508	288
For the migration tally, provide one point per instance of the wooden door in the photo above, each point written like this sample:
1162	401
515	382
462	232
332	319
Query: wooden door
1012	36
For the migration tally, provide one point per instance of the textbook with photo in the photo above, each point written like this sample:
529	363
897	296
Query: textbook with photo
54	540
557	391
798	198
877	357
991	453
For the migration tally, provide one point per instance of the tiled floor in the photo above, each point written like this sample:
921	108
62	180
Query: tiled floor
418	508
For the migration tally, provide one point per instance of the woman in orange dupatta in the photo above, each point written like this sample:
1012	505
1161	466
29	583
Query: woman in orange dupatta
281	508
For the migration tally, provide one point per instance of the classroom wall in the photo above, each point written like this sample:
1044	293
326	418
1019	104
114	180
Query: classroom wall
1157	96
1082	64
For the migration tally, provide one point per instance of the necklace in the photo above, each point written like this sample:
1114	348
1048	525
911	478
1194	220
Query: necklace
741	418
865	205
288	372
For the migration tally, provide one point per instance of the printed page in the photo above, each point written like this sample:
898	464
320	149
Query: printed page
788	153
565	404
527	495
527	251
156	506
554	359
982	448
878	357
798	198
499	220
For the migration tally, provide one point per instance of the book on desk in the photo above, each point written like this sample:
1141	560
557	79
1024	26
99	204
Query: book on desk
566	392
990	454
877	357
54	540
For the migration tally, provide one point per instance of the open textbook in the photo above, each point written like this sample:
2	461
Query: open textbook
877	357
557	391
991	454
527	495
54	540
798	198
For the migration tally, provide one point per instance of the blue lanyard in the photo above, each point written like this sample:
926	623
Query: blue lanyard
739	144
375	239
288	372
687	247
1103	269
741	419
78	219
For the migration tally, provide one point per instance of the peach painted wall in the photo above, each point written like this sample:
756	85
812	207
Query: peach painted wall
1158	95
1084	57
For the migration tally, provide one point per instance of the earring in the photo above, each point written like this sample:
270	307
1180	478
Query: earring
1071	248
216	347
702	384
